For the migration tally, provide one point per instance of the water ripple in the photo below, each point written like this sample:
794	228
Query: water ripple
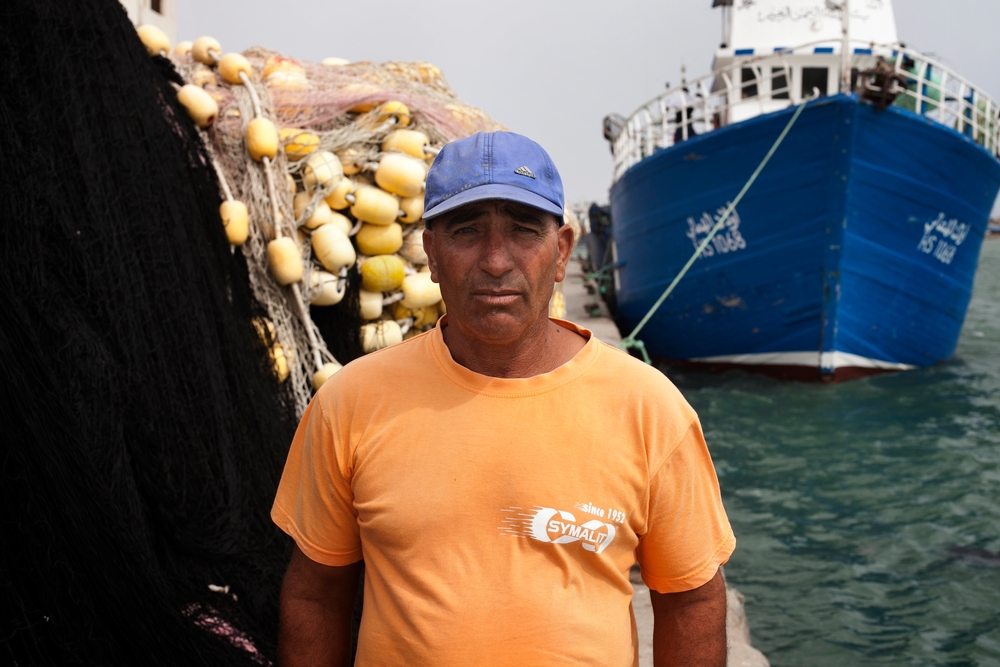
848	501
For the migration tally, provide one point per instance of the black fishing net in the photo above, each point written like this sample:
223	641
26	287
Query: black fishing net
143	430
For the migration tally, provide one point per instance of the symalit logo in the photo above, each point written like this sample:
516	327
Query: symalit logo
547	524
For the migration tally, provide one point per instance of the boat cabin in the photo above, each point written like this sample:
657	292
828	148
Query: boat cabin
788	51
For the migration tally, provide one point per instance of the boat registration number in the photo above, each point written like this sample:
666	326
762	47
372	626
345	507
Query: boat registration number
942	236
728	239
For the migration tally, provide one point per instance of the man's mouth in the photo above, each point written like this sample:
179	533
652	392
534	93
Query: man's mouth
497	298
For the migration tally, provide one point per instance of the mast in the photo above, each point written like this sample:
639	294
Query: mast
845	48
727	22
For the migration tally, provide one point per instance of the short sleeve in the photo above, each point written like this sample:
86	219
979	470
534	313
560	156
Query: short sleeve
688	535
314	503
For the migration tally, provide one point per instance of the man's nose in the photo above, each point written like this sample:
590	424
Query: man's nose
496	258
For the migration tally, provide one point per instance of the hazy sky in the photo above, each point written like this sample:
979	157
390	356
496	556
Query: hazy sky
552	69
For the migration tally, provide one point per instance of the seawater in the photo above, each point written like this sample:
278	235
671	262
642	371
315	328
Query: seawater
848	500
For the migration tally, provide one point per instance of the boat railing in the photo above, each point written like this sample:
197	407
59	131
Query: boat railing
890	72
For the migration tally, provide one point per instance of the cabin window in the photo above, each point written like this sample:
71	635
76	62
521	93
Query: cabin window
779	84
814	77
748	83
156	6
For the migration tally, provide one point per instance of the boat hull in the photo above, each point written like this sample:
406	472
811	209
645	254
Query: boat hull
853	253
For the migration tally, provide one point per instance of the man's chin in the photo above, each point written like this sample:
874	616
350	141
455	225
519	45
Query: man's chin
497	325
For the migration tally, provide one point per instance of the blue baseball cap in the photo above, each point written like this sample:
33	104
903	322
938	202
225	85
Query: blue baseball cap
493	165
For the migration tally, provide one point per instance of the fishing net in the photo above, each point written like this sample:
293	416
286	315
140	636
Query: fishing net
144	428
352	112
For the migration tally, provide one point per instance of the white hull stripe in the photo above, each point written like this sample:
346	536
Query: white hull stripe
813	359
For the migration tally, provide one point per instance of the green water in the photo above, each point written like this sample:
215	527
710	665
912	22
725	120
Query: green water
845	500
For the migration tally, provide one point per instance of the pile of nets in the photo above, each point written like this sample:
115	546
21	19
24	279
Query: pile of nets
144	430
326	165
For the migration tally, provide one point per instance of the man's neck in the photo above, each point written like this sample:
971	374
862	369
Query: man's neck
547	347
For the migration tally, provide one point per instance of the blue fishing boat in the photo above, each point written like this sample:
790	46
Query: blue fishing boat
854	251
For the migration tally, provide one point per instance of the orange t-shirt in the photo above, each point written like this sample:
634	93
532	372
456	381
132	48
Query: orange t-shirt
498	518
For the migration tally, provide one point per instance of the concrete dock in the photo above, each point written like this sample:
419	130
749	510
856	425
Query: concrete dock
581	306
586	309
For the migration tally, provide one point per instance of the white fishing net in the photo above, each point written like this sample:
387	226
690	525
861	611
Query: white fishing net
351	109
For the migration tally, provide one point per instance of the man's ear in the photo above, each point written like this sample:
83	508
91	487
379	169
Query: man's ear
566	239
429	249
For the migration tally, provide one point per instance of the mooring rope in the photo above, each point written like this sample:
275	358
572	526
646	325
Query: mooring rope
602	273
631	341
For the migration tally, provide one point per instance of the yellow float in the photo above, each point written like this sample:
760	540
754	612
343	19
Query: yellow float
375	206
330	288
204	77
154	39
412	208
351	159
401	174
382	273
413	248
298	143
371	304
322	170
231	65
379	239
236	220
265	330
321	214
411	142
337	197
183	49
325	373
395	111
280	358
284	260
199	104
284	74
341	222
205	50
422	317
262	139
333	249
419	291
379	335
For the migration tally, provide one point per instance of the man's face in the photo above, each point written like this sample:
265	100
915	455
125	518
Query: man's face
496	262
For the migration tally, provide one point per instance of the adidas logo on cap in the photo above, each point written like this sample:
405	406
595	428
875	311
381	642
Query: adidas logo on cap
524	171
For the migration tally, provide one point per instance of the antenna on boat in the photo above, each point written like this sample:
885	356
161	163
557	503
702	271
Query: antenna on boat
845	46
845	49
727	6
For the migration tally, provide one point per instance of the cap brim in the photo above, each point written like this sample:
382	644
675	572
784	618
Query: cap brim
495	191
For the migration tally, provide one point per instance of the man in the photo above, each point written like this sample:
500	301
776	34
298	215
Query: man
501	474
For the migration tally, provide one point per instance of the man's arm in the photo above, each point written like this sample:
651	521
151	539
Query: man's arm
316	606
689	628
